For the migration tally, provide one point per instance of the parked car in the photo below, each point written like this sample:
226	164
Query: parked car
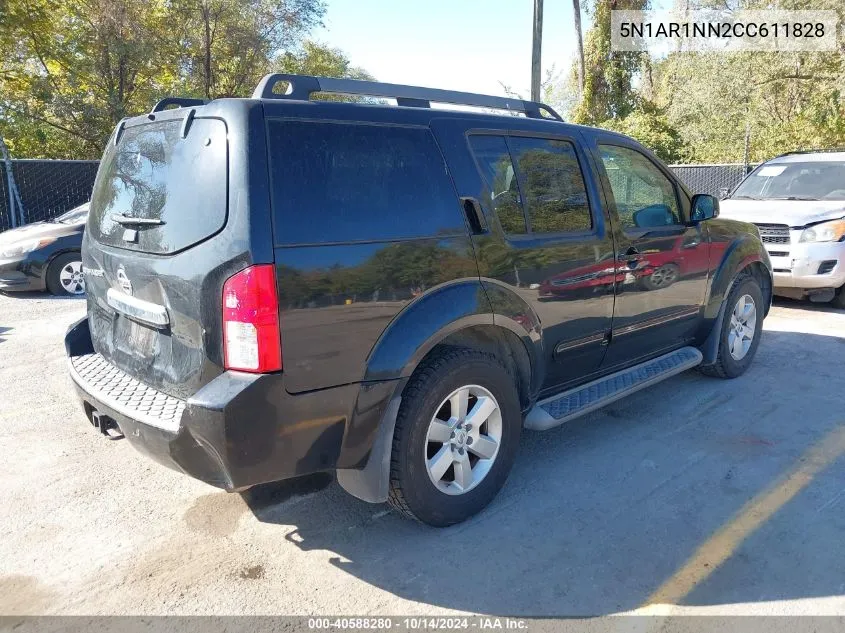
278	286
45	255
798	202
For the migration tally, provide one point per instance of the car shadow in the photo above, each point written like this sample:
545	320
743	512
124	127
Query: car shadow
805	304
35	294
707	491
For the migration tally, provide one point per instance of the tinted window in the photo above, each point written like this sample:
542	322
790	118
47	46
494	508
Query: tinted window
494	161
345	182
553	186
644	196
154	173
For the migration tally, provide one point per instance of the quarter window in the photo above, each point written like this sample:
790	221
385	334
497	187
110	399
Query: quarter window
335	182
643	195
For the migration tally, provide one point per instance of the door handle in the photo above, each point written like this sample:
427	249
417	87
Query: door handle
474	215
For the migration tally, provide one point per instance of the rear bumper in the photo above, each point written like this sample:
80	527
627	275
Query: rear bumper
237	431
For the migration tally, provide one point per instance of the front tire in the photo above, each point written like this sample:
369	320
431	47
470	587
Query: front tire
456	437
64	276
838	300
742	326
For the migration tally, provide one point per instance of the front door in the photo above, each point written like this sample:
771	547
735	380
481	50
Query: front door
663	261
548	244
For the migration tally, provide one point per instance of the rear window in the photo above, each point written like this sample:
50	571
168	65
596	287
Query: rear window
341	182
155	174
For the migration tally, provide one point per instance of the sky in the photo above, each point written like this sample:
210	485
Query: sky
468	45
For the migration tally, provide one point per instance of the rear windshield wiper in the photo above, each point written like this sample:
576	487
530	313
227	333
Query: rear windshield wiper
128	220
798	198
743	198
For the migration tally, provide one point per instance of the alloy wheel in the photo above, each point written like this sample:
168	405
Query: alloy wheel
463	439
71	278
742	328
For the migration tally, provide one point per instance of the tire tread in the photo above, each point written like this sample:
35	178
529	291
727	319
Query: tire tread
426	374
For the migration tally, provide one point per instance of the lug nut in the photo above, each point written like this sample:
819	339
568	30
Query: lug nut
469	428
469	441
460	451
452	436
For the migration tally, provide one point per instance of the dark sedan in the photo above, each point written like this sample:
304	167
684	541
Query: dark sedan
45	255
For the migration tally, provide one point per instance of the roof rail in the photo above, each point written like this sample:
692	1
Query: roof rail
182	102
301	87
831	150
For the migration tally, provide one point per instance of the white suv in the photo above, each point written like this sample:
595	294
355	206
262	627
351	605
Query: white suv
798	202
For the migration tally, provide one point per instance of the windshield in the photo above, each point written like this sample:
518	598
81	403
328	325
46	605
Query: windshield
795	181
77	215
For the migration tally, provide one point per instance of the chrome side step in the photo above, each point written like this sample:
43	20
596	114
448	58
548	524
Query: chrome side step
568	405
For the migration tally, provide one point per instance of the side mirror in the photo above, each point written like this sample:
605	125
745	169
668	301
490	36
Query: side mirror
704	207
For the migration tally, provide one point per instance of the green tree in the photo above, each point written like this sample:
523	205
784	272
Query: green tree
608	91
226	45
72	69
320	60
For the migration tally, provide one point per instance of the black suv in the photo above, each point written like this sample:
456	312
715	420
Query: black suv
280	285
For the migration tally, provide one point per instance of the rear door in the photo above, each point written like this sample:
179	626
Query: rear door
159	244
548	243
662	262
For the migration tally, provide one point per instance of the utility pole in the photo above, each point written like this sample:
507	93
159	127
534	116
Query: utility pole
536	48
15	205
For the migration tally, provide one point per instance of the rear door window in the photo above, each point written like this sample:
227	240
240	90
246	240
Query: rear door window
536	185
348	182
155	174
494	162
553	186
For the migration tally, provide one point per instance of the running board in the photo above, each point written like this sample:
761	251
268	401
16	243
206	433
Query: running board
570	404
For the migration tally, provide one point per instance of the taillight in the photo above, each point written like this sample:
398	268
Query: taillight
251	336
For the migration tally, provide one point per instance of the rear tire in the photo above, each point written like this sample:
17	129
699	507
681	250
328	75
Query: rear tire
64	276
736	349
440	479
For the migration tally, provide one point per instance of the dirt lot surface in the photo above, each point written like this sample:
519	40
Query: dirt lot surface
697	495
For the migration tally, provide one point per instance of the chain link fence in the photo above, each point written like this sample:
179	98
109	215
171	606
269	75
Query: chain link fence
48	188
711	179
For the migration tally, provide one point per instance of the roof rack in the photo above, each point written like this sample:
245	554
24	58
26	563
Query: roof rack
182	102
301	87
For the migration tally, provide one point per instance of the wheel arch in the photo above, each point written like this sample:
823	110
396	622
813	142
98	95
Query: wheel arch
741	258
420	330
53	256
745	253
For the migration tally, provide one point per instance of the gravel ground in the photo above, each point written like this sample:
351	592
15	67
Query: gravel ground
697	495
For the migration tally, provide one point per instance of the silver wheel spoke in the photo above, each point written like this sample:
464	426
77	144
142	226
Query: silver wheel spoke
480	412
461	454
484	447
459	402
439	464
463	471
439	432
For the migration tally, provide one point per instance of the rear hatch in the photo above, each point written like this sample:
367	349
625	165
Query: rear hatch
158	246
